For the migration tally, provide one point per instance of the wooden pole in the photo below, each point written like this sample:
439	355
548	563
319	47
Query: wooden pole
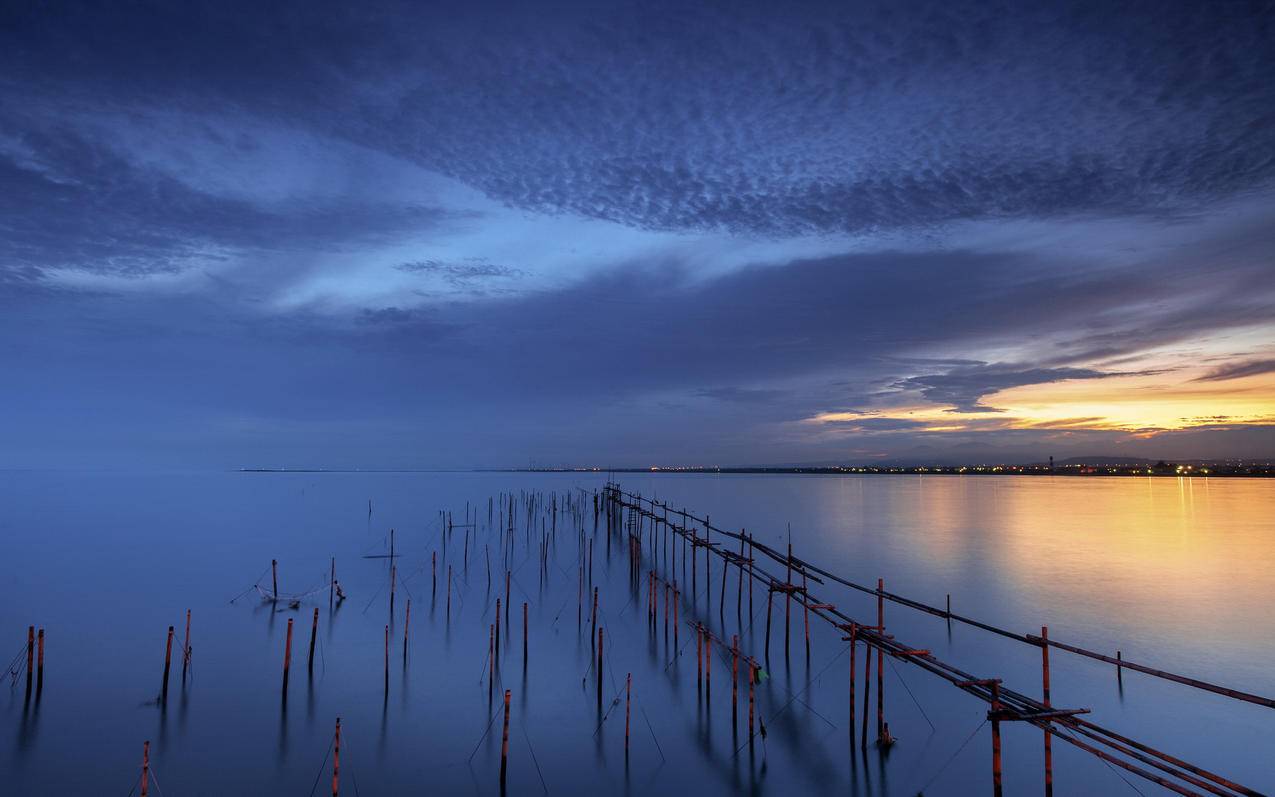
31	657
996	739
336	759
146	767
407	622
491	660
1044	672
599	669
853	644
880	661
387	660
751	699
314	632
805	610
628	696
274	577
168	661
287	659
867	696
769	593
788	597
734	680
39	677
504	746
186	647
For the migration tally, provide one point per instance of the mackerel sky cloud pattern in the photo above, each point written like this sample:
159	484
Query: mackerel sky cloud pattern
388	234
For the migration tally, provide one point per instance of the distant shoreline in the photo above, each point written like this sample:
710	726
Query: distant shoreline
1210	471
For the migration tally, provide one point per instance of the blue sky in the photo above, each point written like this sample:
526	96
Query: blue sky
402	235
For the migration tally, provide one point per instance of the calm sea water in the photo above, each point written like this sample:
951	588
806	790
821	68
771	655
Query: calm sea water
1179	574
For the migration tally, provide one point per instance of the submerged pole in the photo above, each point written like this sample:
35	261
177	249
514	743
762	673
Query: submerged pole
31	656
274	578
996	739
880	661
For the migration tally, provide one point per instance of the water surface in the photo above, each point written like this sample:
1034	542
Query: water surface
1176	573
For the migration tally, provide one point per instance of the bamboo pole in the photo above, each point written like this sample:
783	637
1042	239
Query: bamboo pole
504	746
880	662
31	656
1044	673
146	767
336	759
168	661
186	647
287	659
39	677
996	739
314	632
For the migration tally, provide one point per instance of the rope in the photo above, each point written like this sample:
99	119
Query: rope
322	766
946	764
543	785
899	675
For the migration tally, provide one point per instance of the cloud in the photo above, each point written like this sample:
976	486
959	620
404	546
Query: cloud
1238	370
965	387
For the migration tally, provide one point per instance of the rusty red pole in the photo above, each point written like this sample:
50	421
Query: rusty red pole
146	767
287	658
336	758
504	745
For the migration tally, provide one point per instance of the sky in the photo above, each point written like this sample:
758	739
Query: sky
404	235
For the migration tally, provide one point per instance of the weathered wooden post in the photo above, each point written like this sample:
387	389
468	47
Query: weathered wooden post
407	623
1044	673
854	643
751	699
287	659
504	745
788	596
31	657
274	578
336	759
168	661
314	632
1119	669
880	661
39	667
146	767
186	647
734	680
996	738
867	695
805	609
